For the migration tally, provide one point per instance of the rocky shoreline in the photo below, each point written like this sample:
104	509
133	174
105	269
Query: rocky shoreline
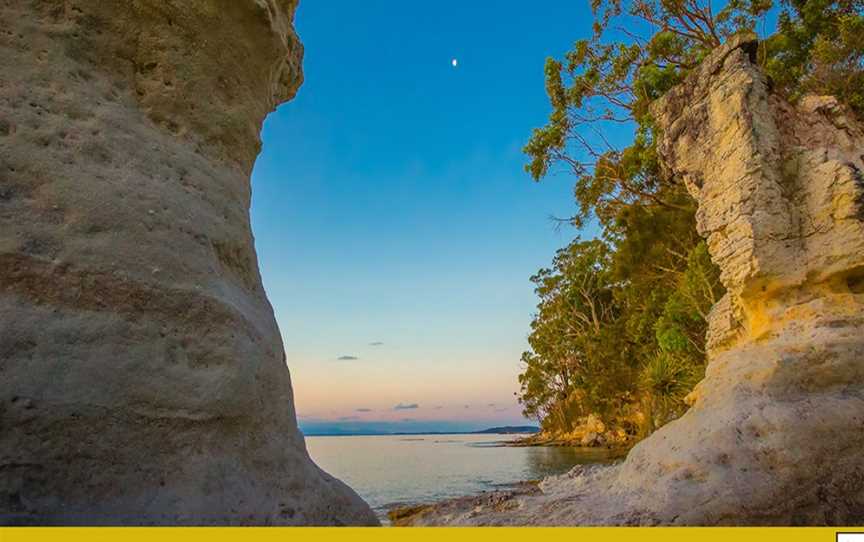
493	507
533	503
593	443
500	500
591	433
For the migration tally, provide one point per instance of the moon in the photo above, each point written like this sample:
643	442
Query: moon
454	62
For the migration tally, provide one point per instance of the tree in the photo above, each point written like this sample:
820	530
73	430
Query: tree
600	84
819	49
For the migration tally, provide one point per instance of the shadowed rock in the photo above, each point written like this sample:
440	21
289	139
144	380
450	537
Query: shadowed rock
142	375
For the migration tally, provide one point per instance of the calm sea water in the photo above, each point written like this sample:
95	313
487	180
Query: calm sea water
409	469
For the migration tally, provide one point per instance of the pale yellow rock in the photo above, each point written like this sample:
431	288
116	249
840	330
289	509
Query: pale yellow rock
776	429
142	375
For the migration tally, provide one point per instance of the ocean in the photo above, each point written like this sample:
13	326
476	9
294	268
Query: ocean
396	470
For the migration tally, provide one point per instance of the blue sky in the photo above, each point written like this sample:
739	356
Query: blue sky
390	206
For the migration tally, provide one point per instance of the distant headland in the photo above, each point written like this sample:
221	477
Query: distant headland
348	432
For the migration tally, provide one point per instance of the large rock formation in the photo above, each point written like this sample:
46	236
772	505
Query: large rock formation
776	429
142	375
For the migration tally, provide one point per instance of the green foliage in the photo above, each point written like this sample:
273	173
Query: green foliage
666	380
566	375
680	328
611	308
819	49
601	84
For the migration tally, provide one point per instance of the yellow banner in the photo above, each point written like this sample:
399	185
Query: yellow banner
430	534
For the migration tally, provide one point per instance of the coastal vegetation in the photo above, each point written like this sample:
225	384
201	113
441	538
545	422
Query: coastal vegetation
618	339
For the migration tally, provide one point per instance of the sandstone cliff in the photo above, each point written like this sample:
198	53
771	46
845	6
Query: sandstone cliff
776	428
142	375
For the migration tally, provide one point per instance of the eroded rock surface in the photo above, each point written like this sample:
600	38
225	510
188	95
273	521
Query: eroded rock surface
142	375
776	428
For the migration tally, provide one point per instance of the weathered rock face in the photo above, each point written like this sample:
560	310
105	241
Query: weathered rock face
142	375
776	428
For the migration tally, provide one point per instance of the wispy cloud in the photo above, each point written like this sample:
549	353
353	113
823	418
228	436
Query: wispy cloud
347	358
376	343
364	410
439	407
404	406
348	418
491	405
467	406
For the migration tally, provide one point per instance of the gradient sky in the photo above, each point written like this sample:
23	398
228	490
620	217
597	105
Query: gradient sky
393	220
